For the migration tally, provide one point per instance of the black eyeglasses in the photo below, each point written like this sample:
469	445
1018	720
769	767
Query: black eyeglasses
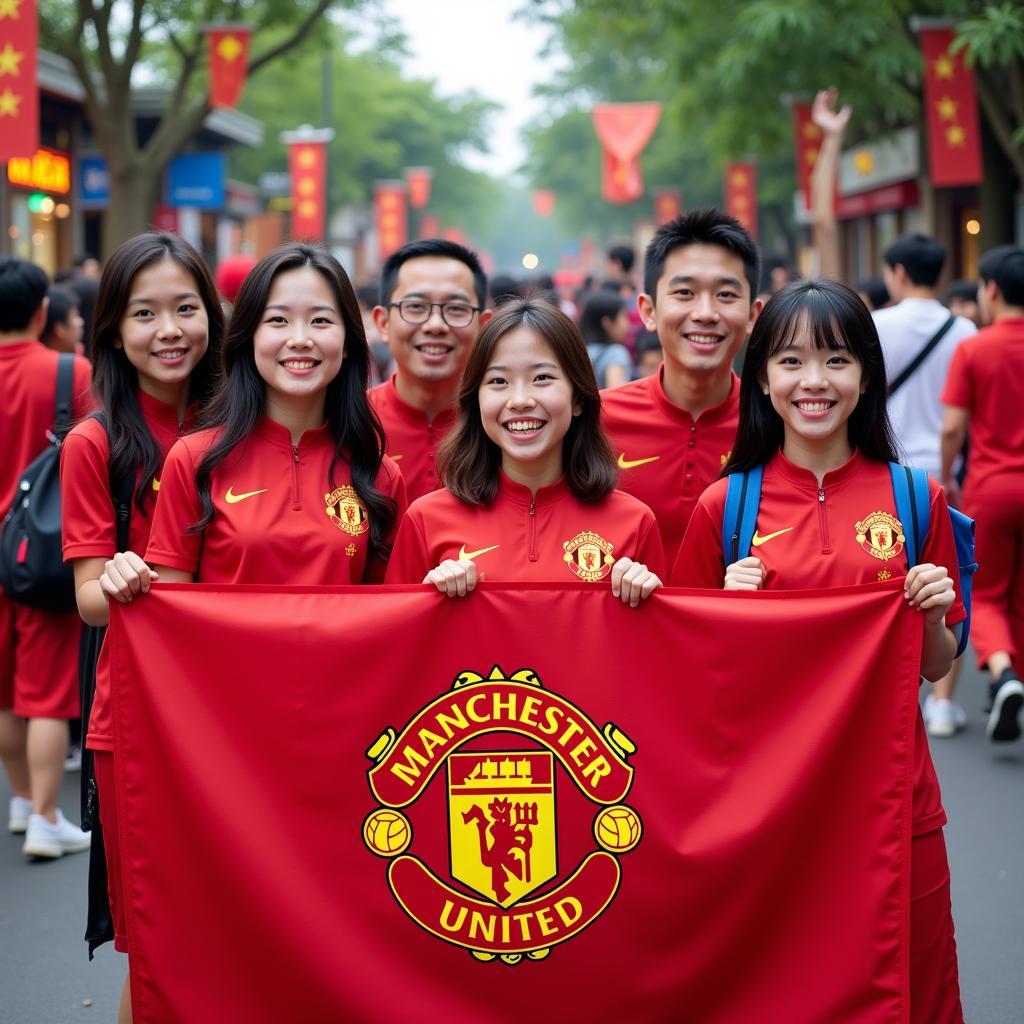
417	311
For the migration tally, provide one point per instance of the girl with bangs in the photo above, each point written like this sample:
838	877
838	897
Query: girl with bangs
813	415
529	474
155	348
288	482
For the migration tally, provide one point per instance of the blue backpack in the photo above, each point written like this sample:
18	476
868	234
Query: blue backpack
910	492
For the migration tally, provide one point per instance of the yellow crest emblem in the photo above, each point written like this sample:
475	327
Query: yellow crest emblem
881	535
346	511
589	556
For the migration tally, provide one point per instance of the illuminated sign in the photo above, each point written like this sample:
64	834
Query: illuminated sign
47	170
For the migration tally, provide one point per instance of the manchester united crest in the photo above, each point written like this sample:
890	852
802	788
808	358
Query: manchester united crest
506	745
589	556
346	511
881	535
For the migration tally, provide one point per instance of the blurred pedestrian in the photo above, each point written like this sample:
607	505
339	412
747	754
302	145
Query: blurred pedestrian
873	293
961	298
64	324
648	355
605	326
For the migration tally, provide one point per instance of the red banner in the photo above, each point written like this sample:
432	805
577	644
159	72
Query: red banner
535	797
417	181
807	137
430	226
624	129
543	202
454	234
741	194
390	217
954	142
19	93
668	204
229	61
307	163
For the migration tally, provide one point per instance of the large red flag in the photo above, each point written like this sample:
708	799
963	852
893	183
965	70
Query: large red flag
307	164
954	142
808	138
229	62
532	804
624	129
19	93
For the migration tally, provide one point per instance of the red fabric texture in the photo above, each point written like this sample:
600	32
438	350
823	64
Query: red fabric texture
20	32
307	165
624	129
45	674
561	540
811	543
412	438
762	807
229	61
104	769
277	514
666	457
986	378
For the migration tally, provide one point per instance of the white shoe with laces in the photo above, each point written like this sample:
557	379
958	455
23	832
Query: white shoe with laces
17	815
943	718
51	841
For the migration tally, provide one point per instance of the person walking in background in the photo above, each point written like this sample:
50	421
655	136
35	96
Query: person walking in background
64	325
605	327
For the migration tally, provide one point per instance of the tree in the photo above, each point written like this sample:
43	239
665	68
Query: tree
110	42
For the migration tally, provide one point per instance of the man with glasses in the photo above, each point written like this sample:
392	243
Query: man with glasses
432	309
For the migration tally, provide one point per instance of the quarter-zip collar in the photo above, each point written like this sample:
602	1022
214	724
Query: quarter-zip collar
509	490
279	435
807	481
729	406
415	415
165	414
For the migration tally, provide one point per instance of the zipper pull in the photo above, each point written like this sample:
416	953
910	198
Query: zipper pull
821	494
295	453
533	507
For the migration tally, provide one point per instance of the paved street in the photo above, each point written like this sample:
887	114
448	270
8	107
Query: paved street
47	978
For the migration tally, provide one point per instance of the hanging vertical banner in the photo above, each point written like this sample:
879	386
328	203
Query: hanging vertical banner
229	62
543	202
668	204
624	129
307	165
454	234
430	226
390	217
417	181
19	93
741	194
807	138
954	148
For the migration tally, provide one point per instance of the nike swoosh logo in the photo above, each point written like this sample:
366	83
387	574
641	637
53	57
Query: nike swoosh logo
156	484
625	463
232	499
394	458
757	541
468	556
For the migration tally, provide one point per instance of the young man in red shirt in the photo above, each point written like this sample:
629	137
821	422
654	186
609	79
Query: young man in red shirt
433	298
983	394
673	431
38	650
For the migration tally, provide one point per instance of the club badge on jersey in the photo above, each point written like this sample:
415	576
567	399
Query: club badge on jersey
346	511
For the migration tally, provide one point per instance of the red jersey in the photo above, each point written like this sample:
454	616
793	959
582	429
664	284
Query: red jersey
28	381
412	438
986	377
89	526
843	533
550	538
667	457
278	518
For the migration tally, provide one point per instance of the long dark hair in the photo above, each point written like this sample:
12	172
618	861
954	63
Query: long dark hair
600	306
837	320
115	381
469	461
241	400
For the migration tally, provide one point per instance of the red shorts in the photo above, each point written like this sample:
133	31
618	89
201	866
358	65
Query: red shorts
104	769
934	978
39	661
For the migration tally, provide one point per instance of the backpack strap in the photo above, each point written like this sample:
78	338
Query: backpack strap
913	507
64	396
921	356
739	521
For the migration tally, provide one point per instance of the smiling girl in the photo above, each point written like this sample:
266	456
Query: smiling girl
813	414
529	474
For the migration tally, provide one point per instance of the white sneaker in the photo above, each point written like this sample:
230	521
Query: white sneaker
73	762
17	815
51	841
943	718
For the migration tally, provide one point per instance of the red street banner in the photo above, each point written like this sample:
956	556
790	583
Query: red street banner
624	129
807	136
543	202
532	804
741	194
430	226
229	61
390	217
668	204
307	163
417	180
954	142
19	93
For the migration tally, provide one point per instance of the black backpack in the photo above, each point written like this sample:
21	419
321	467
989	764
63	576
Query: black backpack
32	568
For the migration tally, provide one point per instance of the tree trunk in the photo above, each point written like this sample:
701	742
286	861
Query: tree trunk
133	194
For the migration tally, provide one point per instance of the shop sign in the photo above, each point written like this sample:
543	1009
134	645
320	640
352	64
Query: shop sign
196	180
48	171
881	162
93	181
904	195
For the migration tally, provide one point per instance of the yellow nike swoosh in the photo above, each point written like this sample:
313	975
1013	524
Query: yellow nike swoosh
394	458
156	484
232	499
625	463
758	541
468	556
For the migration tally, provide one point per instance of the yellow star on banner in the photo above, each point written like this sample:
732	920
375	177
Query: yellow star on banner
229	48
863	161
307	158
9	8
946	108
9	60
307	208
9	103
944	68
811	155
307	186
811	130
739	179
955	135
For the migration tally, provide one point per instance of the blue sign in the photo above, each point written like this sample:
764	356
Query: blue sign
93	181
197	180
